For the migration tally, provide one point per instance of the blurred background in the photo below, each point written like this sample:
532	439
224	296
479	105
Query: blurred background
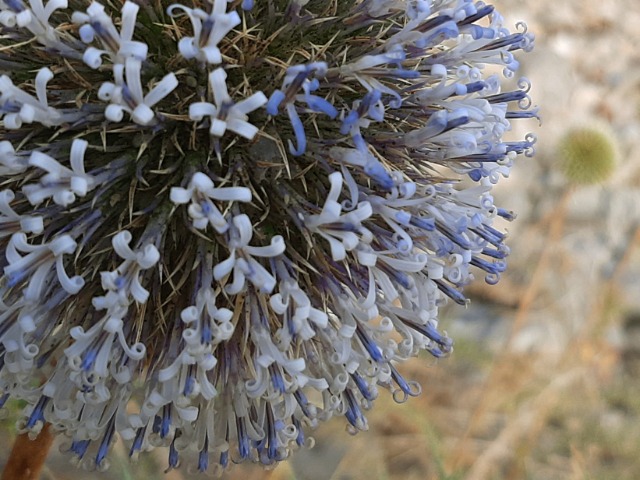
543	383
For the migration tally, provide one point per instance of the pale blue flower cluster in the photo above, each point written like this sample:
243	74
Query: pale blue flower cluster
224	223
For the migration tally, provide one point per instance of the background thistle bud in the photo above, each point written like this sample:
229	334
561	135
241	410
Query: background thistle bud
224	223
588	154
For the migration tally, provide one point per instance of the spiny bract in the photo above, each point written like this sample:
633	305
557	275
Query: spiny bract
224	222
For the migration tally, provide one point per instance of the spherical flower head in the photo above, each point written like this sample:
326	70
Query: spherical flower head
224	223
588	155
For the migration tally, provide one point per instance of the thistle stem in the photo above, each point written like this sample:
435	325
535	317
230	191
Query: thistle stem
27	456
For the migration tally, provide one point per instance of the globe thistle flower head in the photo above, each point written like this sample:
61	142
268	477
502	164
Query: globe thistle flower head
223	223
588	155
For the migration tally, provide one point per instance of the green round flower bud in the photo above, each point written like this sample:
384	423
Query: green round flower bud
588	155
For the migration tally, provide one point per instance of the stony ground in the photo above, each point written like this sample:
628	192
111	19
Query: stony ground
544	381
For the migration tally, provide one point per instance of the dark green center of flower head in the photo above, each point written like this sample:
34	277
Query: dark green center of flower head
227	221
